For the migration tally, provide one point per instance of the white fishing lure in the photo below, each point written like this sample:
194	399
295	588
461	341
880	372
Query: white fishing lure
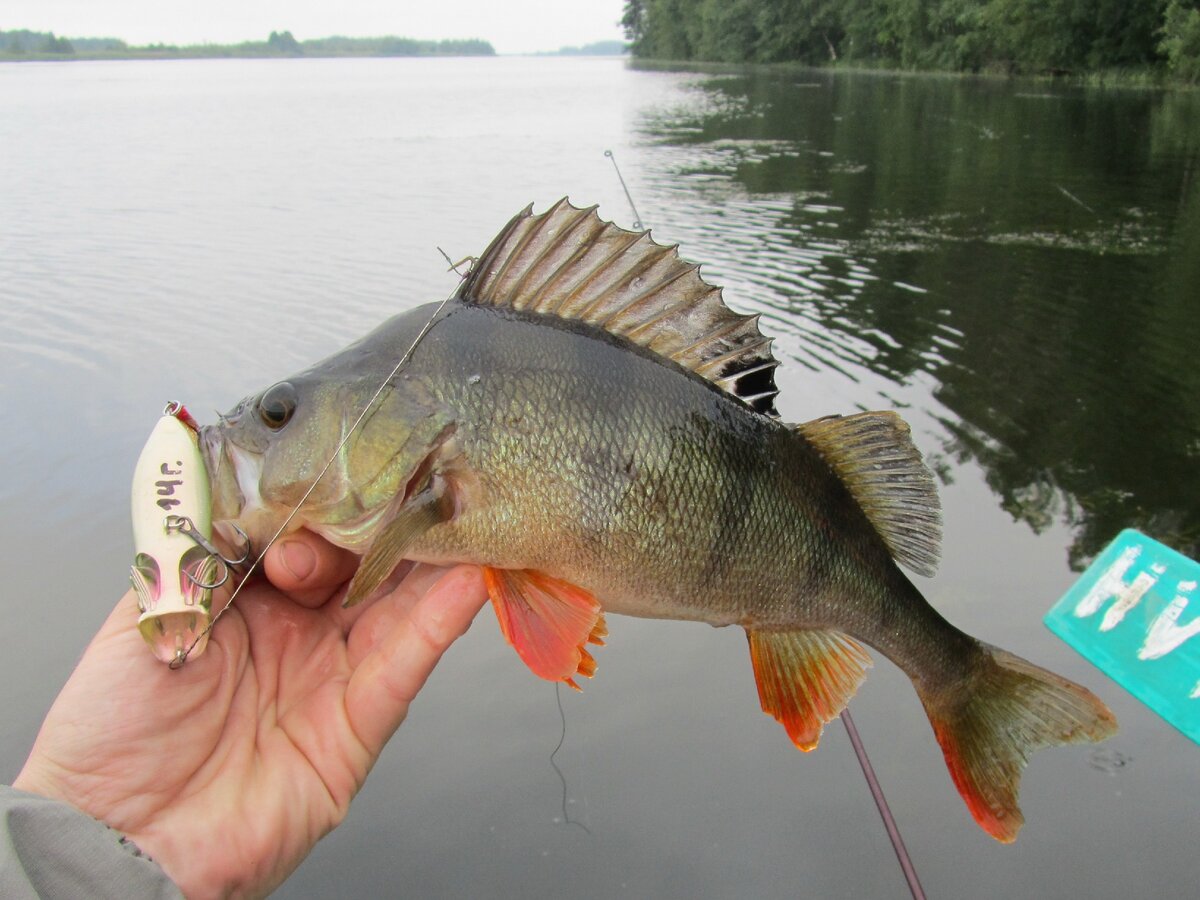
176	566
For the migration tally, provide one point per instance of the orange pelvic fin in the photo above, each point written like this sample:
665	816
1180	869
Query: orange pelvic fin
988	727
548	621
805	678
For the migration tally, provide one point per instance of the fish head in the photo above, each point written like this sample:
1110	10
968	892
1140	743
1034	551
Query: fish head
267	451
305	445
290	448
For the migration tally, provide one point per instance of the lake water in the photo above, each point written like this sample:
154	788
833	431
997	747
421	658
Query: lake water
1014	266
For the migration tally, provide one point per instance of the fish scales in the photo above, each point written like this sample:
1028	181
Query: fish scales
637	481
588	422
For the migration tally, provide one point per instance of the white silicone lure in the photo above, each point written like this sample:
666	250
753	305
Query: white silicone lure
172	573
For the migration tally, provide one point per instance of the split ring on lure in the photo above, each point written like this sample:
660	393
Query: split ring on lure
176	566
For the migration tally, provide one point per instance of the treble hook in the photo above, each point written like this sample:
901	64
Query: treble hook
214	585
184	525
245	540
179	654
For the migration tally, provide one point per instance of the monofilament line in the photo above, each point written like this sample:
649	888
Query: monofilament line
637	219
180	659
562	738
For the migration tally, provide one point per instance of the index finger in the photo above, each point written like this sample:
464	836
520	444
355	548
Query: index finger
391	674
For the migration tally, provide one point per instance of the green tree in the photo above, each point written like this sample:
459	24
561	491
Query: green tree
283	42
1124	33
1180	42
866	33
633	22
1017	35
727	31
666	28
57	45
807	30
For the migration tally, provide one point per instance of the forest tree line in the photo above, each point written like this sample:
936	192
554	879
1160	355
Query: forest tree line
24	44
1014	36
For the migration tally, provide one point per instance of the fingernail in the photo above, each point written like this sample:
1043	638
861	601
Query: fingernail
298	558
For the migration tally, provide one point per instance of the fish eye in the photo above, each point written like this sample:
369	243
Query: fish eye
276	405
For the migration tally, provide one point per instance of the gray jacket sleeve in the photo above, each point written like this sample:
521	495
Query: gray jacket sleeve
50	850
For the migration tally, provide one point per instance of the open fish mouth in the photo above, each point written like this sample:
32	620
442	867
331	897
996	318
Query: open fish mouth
233	473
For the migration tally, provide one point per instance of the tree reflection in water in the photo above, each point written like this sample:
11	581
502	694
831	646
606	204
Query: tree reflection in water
1032	251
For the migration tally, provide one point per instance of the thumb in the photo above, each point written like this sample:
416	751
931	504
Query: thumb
307	567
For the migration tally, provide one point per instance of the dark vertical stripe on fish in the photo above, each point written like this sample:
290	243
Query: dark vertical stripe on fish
727	542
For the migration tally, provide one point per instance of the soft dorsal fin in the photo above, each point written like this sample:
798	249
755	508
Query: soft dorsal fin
568	262
875	457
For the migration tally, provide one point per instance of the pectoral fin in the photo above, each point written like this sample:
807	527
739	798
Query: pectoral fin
547	621
420	513
805	678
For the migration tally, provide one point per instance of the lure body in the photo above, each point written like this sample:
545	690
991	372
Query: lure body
173	573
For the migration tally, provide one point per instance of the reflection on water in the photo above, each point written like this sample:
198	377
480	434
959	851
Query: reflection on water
1036	255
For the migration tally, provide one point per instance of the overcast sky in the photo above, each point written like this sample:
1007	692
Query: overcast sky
513	26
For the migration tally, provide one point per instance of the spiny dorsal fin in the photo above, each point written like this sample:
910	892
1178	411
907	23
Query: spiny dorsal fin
568	262
875	457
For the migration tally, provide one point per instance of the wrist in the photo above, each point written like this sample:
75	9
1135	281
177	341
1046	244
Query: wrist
34	779
53	849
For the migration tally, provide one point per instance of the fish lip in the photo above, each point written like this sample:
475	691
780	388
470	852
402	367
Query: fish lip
228	493
212	443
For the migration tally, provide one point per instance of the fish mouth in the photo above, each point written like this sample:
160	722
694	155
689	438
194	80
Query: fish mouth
231	470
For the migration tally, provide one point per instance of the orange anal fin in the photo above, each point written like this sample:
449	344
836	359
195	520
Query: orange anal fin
548	621
805	678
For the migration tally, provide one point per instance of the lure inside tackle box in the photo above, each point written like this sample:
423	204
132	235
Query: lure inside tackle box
1135	613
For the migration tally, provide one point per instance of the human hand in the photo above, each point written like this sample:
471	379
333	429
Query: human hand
228	770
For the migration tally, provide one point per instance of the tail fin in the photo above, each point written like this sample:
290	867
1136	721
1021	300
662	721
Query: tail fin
988	729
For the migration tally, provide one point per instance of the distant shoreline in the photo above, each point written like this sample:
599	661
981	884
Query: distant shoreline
184	55
33	46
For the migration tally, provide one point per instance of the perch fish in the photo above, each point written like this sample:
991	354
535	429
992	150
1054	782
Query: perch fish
587	421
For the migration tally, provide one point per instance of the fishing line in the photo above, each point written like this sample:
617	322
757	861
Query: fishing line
182	655
561	740
864	762
637	219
